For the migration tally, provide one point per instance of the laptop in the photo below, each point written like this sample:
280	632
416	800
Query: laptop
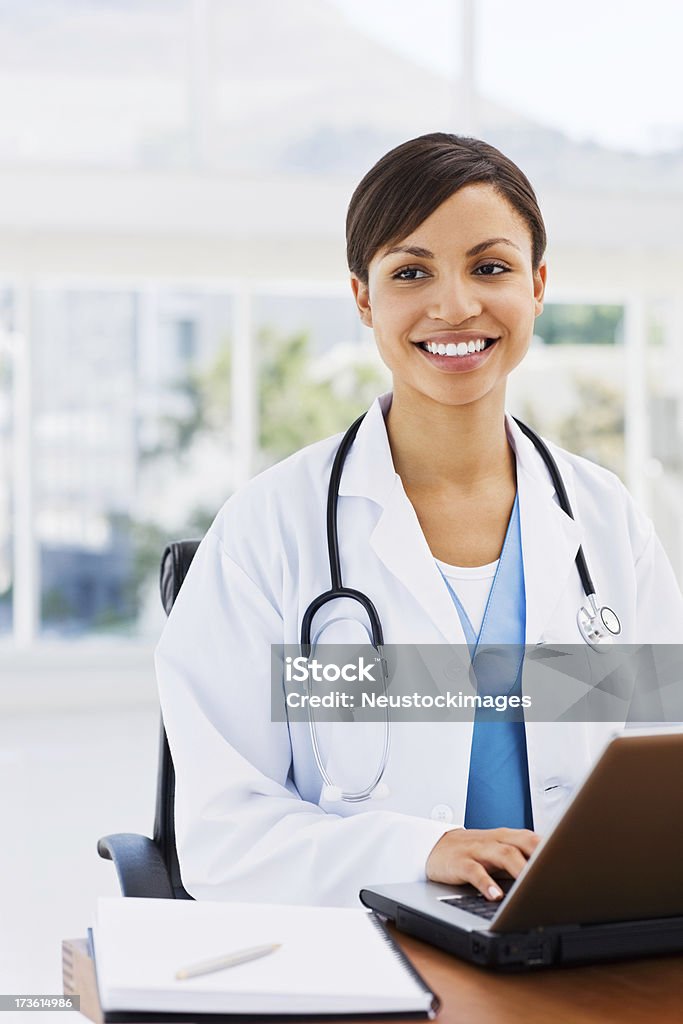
605	883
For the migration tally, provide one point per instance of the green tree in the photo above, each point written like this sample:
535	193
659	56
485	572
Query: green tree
298	406
203	407
561	324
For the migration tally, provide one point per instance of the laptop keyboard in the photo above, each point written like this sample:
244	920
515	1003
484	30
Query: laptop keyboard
478	904
475	905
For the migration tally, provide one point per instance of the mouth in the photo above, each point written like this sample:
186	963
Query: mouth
457	356
457	350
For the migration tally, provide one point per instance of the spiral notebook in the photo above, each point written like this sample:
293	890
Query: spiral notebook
331	961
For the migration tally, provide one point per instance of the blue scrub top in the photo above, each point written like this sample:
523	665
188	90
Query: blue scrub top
498	791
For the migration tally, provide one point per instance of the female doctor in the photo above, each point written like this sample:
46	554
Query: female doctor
448	520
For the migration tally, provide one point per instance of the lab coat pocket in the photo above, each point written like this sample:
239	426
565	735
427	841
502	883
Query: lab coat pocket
556	795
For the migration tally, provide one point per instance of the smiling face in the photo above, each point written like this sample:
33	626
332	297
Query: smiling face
464	277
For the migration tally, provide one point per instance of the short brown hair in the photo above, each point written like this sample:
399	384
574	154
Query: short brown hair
407	184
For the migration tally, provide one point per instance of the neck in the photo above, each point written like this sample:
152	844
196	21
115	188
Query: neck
435	446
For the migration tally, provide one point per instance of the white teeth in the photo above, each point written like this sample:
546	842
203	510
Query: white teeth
462	348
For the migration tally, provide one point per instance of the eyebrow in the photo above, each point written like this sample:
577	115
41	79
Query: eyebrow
425	254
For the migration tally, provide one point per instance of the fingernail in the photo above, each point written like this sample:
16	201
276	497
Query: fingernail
494	893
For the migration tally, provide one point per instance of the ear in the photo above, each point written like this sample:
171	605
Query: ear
540	277
361	294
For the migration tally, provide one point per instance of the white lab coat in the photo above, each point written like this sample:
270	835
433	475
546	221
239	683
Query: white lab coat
250	819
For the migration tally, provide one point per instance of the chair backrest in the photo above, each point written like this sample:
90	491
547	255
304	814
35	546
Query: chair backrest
175	562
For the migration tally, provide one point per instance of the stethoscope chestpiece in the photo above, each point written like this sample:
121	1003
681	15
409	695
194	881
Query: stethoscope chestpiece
599	625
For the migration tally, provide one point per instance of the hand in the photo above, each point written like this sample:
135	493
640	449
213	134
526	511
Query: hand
468	855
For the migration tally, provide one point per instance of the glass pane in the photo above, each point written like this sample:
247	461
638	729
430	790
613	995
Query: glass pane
561	324
326	320
664	383
318	370
571	395
185	469
132	416
84	372
6	569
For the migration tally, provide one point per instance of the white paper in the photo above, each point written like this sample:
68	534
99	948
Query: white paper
332	959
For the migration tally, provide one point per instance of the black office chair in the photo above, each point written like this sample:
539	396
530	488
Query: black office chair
149	867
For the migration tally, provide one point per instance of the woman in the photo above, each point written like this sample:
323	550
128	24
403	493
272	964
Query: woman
449	522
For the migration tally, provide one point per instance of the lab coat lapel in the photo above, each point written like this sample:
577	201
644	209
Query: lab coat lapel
398	540
550	538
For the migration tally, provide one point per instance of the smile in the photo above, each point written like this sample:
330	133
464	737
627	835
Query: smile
462	348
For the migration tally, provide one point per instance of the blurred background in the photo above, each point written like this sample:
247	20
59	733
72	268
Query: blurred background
175	316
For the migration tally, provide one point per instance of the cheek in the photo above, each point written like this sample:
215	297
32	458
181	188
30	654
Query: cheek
394	314
516	309
387	317
386	346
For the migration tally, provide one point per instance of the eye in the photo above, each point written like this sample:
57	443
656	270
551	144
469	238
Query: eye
409	274
491	269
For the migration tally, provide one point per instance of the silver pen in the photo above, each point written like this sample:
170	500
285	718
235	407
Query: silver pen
242	956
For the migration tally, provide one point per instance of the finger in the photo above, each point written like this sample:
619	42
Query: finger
503	857
523	838
476	874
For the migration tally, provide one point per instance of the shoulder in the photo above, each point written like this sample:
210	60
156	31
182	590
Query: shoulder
587	473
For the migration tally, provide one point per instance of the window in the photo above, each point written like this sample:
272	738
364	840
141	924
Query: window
6	455
564	324
128	388
317	368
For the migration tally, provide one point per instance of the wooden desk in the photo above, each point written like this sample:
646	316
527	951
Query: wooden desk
629	992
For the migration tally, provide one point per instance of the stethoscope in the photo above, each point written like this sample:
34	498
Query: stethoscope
598	624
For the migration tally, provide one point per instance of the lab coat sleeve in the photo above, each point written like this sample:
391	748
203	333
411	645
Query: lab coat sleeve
243	832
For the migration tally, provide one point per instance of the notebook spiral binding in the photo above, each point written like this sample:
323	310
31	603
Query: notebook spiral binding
406	963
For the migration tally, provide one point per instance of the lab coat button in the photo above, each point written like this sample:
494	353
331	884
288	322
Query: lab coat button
441	812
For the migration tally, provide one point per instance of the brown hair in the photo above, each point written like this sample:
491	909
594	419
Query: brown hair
407	184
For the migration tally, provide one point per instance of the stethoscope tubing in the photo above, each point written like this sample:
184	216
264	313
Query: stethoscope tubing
565	505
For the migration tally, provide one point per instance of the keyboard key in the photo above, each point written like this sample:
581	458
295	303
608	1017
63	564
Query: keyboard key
475	905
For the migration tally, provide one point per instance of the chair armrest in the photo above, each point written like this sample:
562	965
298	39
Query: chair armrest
139	865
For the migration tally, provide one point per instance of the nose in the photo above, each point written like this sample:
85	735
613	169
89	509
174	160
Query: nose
455	302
